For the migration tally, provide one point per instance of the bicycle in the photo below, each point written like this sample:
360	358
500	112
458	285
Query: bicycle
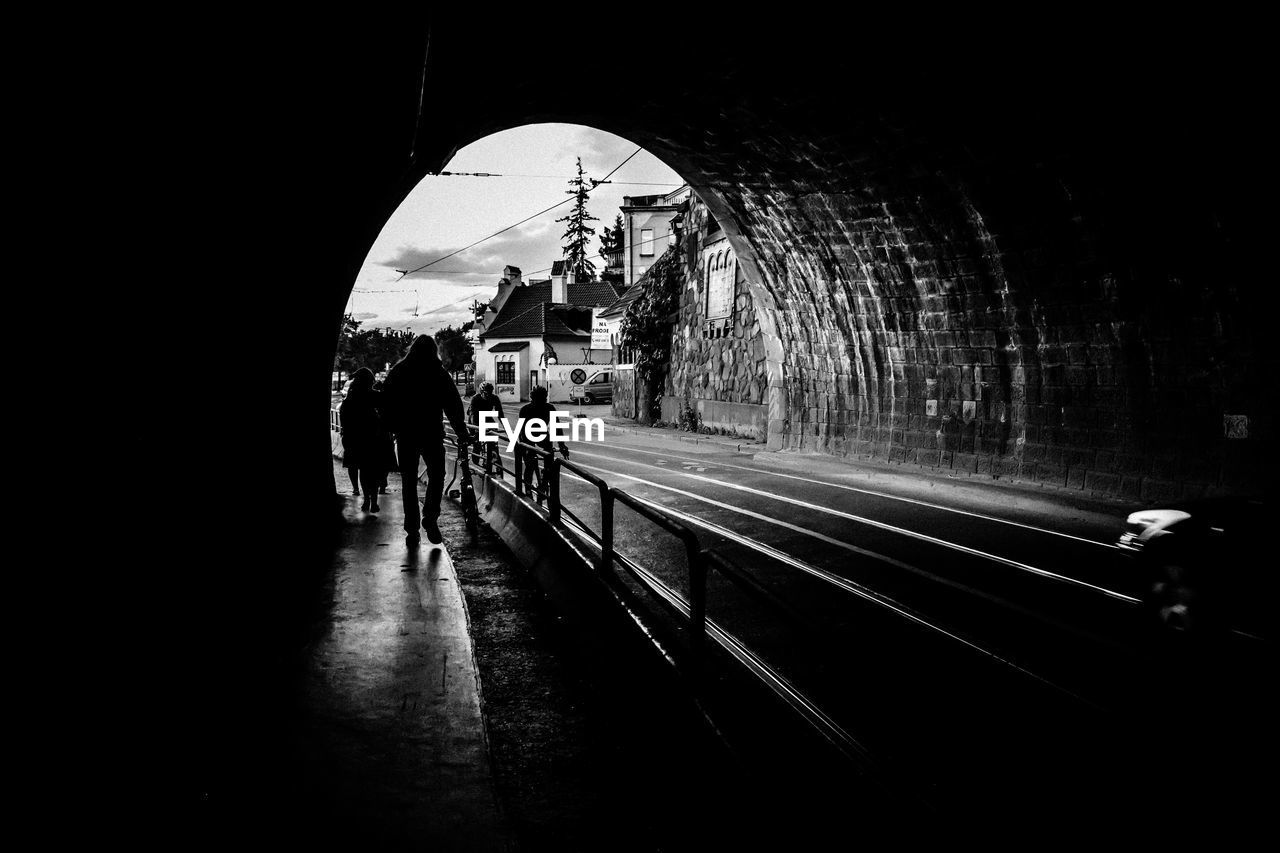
535	467
466	492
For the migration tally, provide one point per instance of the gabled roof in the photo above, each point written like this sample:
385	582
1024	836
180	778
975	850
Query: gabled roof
543	319
524	324
518	317
593	294
619	307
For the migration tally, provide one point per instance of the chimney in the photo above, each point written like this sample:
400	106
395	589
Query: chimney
560	286
509	281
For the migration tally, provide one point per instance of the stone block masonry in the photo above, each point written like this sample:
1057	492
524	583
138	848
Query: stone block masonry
987	324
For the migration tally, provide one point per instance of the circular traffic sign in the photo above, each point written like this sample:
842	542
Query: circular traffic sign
578	376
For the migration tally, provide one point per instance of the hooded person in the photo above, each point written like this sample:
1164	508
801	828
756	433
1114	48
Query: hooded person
417	396
360	433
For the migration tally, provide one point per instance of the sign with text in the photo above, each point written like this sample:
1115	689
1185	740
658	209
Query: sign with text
599	331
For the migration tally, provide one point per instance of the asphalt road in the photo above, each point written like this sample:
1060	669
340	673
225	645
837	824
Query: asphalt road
979	641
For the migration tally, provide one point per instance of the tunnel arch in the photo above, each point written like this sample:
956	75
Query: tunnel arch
999	291
1056	166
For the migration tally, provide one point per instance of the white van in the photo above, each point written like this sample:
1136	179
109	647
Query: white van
597	389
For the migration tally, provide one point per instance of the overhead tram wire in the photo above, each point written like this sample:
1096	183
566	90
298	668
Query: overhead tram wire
485	284
404	273
556	177
488	282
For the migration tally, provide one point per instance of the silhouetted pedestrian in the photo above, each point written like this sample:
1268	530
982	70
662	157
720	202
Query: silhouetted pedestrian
418	395
386	445
360	433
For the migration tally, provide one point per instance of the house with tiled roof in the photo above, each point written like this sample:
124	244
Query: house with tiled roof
538	333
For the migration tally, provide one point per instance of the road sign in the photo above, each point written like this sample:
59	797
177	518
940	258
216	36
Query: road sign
578	376
600	338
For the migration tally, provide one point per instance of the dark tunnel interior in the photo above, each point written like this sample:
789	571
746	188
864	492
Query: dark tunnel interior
1039	257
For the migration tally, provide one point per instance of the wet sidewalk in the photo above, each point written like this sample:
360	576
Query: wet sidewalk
390	734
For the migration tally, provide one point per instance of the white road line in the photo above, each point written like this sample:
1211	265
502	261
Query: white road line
924	537
854	588
840	544
872	492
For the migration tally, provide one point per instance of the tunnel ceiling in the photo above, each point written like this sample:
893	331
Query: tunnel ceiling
1003	256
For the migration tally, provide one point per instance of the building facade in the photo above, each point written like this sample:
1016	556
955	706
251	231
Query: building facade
717	367
647	221
717	370
540	332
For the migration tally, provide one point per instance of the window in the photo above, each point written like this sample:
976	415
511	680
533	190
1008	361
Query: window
720	280
718	309
506	373
646	241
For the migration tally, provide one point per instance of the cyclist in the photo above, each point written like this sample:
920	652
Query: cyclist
485	401
536	410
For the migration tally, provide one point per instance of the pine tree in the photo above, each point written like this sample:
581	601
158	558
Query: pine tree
578	233
612	239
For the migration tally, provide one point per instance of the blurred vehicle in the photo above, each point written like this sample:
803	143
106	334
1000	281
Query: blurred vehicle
1204	565
597	389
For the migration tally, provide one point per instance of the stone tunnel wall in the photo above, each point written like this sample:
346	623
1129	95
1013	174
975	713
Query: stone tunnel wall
920	325
978	253
717	369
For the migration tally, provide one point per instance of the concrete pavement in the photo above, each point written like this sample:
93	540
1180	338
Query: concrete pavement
389	731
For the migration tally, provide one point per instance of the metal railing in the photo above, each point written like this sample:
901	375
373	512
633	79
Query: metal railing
700	561
698	628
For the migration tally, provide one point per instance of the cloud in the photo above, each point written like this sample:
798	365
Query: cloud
429	324
365	315
528	247
600	151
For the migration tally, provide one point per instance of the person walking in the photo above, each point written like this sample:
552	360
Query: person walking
485	401
386	445
361	428
419	394
536	410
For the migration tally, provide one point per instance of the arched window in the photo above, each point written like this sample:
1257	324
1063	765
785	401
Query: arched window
720	296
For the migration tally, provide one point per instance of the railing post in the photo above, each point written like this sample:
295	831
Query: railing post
553	500
519	471
606	529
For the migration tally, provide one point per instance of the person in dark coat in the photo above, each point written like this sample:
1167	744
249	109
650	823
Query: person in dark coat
386	445
537	409
418	395
361	429
485	401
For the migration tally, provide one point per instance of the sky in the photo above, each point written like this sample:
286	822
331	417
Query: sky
444	213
